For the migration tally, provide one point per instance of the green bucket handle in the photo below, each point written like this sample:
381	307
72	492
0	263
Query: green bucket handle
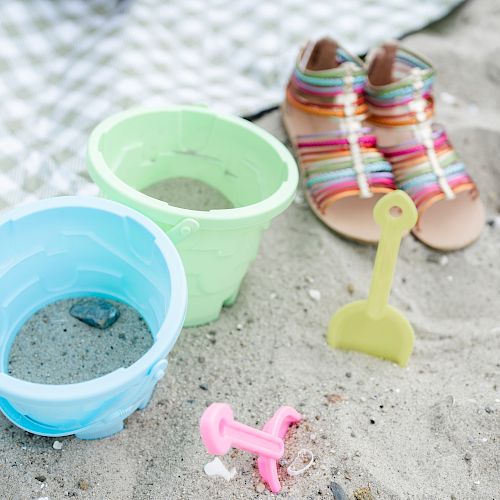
183	230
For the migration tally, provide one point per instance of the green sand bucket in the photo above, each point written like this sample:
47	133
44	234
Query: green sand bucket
131	151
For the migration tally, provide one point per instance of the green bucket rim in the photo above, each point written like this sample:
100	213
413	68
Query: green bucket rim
158	210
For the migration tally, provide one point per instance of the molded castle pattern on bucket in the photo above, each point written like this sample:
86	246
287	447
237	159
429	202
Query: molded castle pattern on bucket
215	279
133	150
75	246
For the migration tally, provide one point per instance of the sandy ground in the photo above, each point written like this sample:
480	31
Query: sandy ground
55	348
430	431
188	193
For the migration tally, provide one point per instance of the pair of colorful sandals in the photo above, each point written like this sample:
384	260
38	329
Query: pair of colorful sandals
361	130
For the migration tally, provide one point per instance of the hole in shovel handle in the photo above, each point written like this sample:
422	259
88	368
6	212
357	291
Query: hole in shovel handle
396	211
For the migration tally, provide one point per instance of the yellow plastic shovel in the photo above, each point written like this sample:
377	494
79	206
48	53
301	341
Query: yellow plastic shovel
373	326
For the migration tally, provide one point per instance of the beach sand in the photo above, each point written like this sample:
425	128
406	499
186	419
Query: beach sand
188	193
429	431
55	348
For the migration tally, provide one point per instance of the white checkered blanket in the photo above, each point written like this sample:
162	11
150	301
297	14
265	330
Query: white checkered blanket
65	65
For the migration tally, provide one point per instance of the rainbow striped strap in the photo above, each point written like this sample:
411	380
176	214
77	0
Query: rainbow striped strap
331	171
426	167
408	100
428	177
336	92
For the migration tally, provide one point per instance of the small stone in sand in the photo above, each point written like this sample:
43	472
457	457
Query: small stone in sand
203	387
337	491
363	493
334	398
488	409
239	327
260	487
83	484
211	336
299	199
42	479
350	288
314	294
57	445
95	312
467	457
448	98
437	258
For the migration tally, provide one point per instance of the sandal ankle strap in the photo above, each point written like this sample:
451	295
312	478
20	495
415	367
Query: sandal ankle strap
410	93
336	92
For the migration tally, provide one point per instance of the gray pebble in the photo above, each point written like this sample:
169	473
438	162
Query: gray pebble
203	387
337	491
468	457
95	312
488	409
437	258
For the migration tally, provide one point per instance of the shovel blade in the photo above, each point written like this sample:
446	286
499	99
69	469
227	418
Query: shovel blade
388	337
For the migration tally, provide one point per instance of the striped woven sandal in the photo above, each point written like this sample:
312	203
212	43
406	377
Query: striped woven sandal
324	113
425	165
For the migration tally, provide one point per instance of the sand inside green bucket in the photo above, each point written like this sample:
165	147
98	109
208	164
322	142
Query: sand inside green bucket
188	193
54	348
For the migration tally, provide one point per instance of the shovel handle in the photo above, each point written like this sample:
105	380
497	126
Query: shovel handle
396	214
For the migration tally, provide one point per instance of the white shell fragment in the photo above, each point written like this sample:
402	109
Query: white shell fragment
217	468
300	457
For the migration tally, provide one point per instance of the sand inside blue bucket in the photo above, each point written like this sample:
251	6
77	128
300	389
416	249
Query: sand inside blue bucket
55	348
183	192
